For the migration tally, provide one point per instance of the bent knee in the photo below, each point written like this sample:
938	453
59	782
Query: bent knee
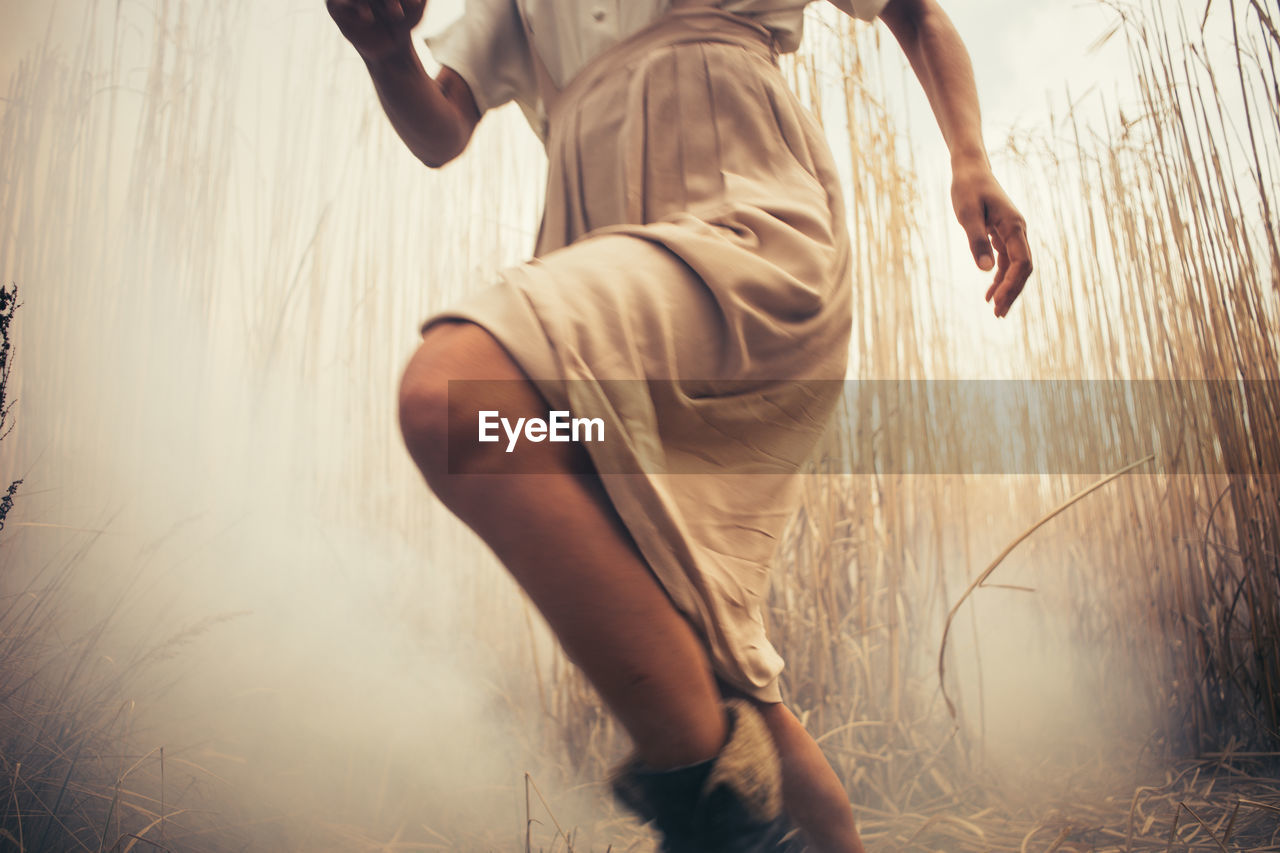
458	371
426	414
424	424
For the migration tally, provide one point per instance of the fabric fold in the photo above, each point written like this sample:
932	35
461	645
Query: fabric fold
691	289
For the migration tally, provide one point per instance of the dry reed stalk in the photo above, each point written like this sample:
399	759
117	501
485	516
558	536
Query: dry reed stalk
1148	216
981	579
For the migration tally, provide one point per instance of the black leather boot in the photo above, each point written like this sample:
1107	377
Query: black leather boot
729	804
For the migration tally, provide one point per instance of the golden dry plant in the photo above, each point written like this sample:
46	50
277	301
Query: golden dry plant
223	254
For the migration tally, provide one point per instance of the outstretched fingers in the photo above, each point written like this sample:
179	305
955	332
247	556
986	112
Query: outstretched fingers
1009	236
996	231
972	216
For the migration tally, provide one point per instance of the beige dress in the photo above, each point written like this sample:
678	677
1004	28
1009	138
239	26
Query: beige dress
690	281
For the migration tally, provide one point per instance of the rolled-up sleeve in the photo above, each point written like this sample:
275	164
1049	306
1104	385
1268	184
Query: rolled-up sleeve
488	49
867	10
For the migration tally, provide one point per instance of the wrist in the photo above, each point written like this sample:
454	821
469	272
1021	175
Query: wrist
969	159
394	58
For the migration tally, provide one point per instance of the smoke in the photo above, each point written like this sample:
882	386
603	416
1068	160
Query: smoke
223	254
230	555
269	647
1047	681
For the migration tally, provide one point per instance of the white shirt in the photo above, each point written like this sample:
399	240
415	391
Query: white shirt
487	45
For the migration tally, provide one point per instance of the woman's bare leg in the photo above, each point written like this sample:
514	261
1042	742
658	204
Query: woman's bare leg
558	535
812	794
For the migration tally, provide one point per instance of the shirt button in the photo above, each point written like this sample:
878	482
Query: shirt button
598	14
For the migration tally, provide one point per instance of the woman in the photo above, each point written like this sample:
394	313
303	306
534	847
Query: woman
691	292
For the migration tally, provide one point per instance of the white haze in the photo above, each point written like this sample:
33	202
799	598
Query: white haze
211	333
207	367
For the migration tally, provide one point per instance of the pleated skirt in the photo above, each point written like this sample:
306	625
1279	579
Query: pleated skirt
690	288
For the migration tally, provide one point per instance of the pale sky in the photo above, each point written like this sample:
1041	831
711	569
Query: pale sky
1026	55
1022	49
1025	52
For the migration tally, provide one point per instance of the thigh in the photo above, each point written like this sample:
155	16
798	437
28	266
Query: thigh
457	349
558	534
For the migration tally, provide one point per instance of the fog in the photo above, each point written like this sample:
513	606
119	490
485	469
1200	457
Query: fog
223	255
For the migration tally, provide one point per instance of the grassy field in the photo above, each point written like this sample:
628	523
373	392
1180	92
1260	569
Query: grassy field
231	618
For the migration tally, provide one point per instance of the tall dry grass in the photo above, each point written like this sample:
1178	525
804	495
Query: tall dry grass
148	183
1156	262
168	287
1168	271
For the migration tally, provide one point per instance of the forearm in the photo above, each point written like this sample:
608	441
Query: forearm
941	62
424	113
989	218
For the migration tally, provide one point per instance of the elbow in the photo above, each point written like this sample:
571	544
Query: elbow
443	151
457	122
435	162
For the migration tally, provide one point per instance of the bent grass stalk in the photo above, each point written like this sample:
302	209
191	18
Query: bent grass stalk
1172	573
981	580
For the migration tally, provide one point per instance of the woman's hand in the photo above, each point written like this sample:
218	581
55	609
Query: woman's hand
933	47
377	28
434	116
991	221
